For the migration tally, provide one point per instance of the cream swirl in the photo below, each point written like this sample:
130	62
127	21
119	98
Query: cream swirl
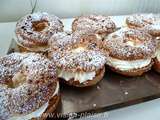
125	65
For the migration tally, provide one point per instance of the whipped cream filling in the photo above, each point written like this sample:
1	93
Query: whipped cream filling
77	76
37	113
125	65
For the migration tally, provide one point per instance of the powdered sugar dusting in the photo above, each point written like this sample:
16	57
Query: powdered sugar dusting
37	88
153	29
67	40
117	44
96	23
140	20
61	40
25	31
75	60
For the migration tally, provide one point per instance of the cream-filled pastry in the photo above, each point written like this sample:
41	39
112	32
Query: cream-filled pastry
29	86
130	51
34	30
79	66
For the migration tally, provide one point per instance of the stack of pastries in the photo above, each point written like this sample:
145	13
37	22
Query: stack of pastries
29	79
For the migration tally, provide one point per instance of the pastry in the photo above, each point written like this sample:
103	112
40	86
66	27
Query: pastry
34	30
97	24
29	86
130	51
153	29
79	66
139	20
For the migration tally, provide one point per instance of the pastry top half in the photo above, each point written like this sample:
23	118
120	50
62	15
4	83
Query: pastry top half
94	23
79	59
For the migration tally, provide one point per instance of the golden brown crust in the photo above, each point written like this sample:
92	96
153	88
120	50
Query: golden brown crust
22	49
94	23
94	81
133	72
132	26
156	65
130	44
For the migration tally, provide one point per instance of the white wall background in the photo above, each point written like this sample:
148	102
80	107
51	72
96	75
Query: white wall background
11	10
